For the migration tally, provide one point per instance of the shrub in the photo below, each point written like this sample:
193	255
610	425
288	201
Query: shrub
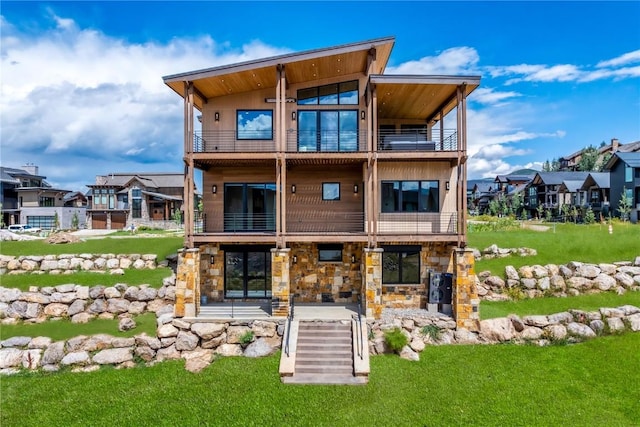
431	331
395	339
246	338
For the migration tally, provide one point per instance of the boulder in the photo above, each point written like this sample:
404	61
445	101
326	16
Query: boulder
408	354
562	317
146	340
511	273
417	344
167	330
81	318
464	336
499	329
531	333
588	271
40	342
624	279
235	333
536	320
580	330
229	350
56	310
262	347
10	357
126	324
145	353
262	328
186	341
16	342
197	360
604	282
539	272
76	358
113	356
53	354
167	353
31	358
634	322
494	282
517	322
555	332
615	324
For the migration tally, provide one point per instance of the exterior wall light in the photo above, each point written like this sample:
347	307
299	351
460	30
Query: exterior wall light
214	189
353	259
295	259
355	188
447	186
216	116
362	115
293	116
293	189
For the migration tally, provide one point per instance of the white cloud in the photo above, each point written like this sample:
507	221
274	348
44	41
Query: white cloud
457	60
97	101
491	96
627	58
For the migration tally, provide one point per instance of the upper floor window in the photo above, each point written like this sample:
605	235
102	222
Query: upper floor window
410	196
345	93
628	173
46	201
136	193
254	124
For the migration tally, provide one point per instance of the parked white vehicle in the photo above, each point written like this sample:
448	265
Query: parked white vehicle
24	228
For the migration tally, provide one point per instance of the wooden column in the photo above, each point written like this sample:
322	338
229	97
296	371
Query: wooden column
373	200
189	166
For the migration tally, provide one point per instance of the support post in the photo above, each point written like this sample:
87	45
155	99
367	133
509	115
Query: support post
373	282
280	281
466	304
188	283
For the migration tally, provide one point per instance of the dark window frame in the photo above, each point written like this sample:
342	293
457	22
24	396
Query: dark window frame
323	191
341	136
260	138
315	93
326	249
398	205
401	252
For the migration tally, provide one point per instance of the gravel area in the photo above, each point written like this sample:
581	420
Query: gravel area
389	314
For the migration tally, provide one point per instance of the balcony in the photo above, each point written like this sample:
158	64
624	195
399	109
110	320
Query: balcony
325	222
417	223
225	141
326	141
417	141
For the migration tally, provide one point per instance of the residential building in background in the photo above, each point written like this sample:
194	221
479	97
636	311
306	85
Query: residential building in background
118	200
624	169
27	198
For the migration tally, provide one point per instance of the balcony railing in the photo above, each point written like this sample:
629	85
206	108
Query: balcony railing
225	141
325	222
326	141
418	141
418	223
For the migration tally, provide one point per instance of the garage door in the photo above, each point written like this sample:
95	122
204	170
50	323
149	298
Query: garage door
99	221
118	221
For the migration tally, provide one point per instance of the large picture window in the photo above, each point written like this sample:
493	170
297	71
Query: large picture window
45	201
330	252
254	124
328	130
345	93
410	196
249	207
401	265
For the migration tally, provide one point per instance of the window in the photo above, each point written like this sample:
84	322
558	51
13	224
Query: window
330	191
328	130
45	201
345	93
254	124
401	265
628	173
136	203
249	207
330	253
410	196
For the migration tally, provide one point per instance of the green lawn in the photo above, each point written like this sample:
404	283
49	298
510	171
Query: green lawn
590	384
64	329
130	277
162	246
551	305
569	242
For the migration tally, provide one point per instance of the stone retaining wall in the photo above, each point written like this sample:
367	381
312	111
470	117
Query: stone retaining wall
72	263
570	279
570	326
83	303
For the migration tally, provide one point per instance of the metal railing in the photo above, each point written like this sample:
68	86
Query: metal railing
418	223
359	340
326	141
248	222
325	222
226	141
289	319
418	141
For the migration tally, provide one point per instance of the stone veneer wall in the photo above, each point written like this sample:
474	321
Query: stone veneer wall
434	256
372	267
188	283
212	273
314	281
466	304
280	291
72	263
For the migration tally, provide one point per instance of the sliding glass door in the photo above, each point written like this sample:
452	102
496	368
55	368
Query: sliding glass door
249	207
247	272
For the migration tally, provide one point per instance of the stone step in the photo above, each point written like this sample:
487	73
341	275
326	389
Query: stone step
313	361
325	342
305	326
327	379
324	353
324	369
325	334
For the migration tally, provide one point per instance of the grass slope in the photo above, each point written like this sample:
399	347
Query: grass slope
551	305
569	242
64	329
592	384
162	246
131	277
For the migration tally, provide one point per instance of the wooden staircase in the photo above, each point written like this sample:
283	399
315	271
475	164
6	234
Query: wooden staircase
324	354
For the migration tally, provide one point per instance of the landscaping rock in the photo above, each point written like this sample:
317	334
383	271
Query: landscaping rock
262	347
10	357
499	329
126	324
235	333
634	322
588	271
408	354
511	273
262	328
186	341
31	359
75	358
555	332
197	360
604	282
16	342
580	330
229	350
39	342
112	356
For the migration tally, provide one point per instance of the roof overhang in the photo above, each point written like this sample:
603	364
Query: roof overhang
299	67
419	97
161	196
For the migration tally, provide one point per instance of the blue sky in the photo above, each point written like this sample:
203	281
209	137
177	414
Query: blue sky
82	91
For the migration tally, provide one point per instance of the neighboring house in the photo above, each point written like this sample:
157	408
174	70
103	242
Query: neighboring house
545	190
480	193
624	169
324	180
597	188
27	198
118	200
572	162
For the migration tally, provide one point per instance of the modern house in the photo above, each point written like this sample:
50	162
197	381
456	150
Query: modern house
118	200
624	169
27	198
325	181
597	189
552	190
479	193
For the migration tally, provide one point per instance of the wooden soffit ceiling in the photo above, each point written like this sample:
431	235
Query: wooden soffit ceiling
419	97
299	67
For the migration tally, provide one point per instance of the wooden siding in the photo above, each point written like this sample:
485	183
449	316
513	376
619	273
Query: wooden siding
307	212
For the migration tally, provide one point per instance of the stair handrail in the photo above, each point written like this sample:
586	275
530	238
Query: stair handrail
359	329
289	319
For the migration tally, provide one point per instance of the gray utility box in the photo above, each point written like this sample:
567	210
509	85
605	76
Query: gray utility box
440	288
